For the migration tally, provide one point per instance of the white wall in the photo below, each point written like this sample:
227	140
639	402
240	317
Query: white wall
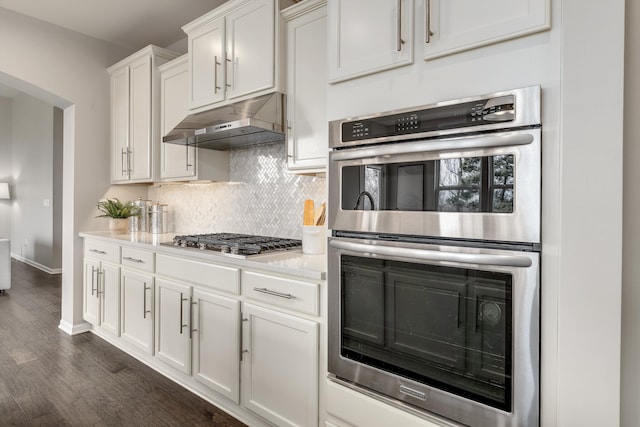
67	70
630	387
32	165
5	164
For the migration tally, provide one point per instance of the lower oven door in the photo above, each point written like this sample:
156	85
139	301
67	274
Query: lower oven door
450	330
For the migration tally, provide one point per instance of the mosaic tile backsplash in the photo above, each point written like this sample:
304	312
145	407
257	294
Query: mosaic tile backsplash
261	198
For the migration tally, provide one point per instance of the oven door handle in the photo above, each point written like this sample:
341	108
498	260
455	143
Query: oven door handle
466	143
426	255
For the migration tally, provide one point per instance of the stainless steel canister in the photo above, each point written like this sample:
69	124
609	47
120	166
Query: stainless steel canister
143	214
158	218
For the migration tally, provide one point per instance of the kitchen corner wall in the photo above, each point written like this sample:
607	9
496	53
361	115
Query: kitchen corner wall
261	198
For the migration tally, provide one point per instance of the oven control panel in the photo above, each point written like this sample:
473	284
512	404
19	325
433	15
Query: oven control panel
436	118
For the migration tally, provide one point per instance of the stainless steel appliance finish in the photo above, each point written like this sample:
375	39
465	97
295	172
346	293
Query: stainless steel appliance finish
407	173
433	272
254	121
236	245
436	371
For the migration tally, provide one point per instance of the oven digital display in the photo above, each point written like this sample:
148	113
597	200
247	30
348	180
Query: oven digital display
463	115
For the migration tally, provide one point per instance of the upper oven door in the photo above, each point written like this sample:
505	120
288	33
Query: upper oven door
483	186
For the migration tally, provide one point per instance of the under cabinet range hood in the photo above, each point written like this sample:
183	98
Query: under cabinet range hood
258	120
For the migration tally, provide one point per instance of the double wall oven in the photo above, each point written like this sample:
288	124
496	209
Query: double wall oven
434	256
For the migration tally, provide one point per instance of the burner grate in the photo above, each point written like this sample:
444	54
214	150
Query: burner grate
236	244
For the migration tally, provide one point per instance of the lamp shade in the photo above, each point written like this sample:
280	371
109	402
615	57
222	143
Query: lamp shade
4	190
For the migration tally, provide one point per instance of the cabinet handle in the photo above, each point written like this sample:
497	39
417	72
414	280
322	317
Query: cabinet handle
98	274
428	31
399	25
274	293
228	74
98	251
129	153
182	300
93	282
186	155
215	75
144	301
123	153
128	258
191	329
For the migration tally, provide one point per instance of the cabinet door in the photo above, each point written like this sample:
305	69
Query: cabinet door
306	90
465	24
91	296
216	343
173	313
140	119
206	64
137	309
178	161
110	298
367	36
119	124
250	32
280	367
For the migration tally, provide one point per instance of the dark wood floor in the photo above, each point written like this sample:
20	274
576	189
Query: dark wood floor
48	378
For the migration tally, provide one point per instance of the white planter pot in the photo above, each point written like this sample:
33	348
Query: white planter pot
118	225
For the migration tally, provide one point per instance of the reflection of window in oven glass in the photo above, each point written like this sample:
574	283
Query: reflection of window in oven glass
476	184
502	195
459	184
372	184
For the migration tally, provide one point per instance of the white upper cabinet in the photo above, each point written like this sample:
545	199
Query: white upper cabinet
207	64
250	56
184	162
367	36
233	52
307	86
456	25
135	124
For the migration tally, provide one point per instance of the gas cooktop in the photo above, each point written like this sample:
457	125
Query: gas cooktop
236	245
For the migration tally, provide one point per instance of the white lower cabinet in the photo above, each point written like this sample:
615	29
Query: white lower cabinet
102	295
198	333
137	309
245	340
280	366
216	343
173	328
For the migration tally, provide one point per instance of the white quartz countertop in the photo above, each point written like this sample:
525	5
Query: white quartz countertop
293	263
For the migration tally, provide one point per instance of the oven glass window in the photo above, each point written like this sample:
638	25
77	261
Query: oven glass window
468	184
447	327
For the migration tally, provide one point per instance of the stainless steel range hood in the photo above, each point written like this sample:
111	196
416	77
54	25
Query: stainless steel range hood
254	121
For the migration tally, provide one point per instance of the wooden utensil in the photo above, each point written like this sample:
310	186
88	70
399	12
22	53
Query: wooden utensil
320	214
307	216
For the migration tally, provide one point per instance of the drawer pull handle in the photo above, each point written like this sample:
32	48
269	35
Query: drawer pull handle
274	293
128	258
98	251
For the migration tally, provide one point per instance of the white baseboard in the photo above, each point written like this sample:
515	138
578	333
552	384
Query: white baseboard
70	329
37	265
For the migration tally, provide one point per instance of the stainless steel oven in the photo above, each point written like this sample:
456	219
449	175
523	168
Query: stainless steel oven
434	257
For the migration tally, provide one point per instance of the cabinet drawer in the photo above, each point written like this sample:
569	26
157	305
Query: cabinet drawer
200	273
141	260
103	251
281	292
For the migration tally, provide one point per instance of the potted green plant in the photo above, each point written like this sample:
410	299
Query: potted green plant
117	212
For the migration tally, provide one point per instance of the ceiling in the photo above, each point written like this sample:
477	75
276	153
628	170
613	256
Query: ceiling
126	23
131	24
